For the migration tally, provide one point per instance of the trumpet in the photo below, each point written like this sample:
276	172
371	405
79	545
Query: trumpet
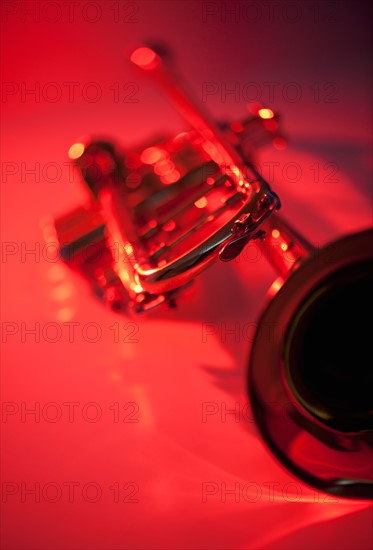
157	216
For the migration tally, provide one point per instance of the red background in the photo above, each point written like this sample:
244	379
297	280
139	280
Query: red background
322	47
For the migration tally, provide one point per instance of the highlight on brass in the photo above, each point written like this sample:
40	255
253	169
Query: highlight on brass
157	215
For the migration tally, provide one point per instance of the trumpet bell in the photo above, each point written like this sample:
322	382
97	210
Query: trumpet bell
310	386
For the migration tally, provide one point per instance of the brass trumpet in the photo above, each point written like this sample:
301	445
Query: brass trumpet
159	215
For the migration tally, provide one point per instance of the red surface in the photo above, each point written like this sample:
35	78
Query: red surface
178	364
